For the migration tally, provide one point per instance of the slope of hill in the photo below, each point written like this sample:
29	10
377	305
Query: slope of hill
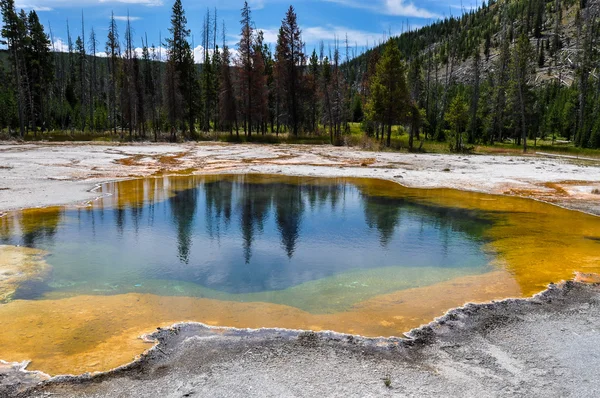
552	27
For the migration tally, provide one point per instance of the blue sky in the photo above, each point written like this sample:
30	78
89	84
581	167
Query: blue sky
364	21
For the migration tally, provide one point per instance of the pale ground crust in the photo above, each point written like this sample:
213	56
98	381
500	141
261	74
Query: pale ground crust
39	175
546	346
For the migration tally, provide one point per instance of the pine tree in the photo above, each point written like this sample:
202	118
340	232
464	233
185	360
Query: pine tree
14	32
158	84
215	84
128	83
227	105
487	46
152	80
113	53
326	78
473	119
539	18
93	44
182	85
245	50
338	96
80	76
389	94
585	40
40	68
208	74
8	106
312	81
82	63
290	56
260	105
271	87
556	43
521	68
500	86
457	117
416	89
173	98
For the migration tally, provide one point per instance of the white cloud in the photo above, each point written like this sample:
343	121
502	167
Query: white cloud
125	17
60	46
463	7
199	53
49	5
269	35
30	6
400	8
312	35
396	8
149	3
330	33
257	4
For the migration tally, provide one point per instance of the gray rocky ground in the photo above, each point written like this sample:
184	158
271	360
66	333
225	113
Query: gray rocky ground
542	347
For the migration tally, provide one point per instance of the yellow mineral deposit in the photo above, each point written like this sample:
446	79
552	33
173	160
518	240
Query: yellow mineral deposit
534	244
97	333
19	265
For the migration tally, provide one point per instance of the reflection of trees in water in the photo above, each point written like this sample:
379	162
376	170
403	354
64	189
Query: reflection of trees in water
134	199
252	201
283	210
384	214
131	200
449	219
6	228
183	208
289	206
120	220
218	205
319	195
311	193
38	225
136	213
254	204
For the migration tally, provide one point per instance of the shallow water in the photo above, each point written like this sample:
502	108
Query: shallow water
351	255
245	240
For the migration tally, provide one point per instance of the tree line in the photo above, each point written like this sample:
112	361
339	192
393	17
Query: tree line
517	71
139	95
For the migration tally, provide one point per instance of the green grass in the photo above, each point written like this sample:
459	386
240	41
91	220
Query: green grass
64	136
356	138
387	381
542	146
270	139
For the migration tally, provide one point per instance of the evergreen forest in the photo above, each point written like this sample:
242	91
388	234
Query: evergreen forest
516	71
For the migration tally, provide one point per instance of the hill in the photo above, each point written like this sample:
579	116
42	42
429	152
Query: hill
551	26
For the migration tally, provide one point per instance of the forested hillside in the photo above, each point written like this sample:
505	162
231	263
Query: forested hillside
513	70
